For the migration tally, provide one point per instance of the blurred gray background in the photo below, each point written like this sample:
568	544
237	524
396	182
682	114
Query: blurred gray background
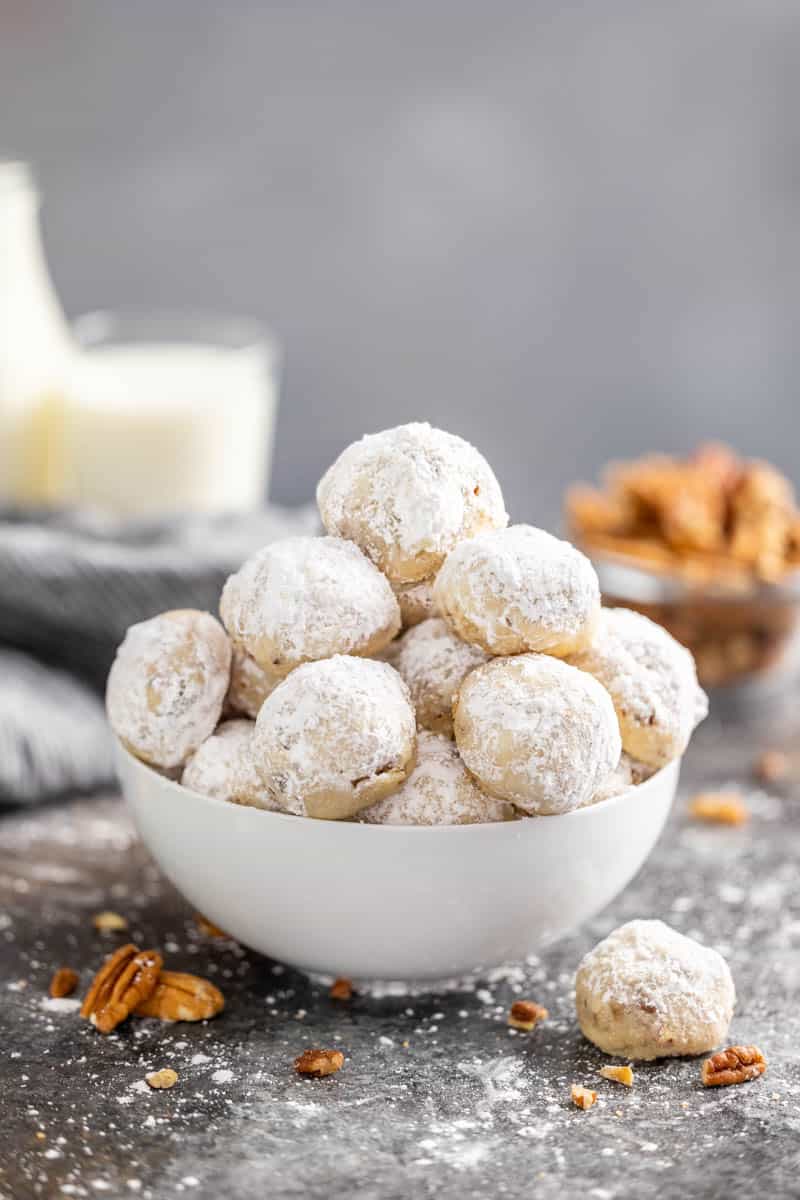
567	231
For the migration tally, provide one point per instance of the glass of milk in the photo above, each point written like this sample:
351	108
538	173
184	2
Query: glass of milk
169	412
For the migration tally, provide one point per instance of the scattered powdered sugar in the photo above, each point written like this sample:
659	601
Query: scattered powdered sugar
518	589
305	598
434	662
537	732
439	791
407	495
167	685
60	1004
652	681
334	727
213	768
223	1075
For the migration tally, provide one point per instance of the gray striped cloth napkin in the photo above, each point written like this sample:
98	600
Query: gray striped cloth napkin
69	588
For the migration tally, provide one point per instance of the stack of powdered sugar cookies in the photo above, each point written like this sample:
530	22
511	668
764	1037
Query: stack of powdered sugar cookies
508	693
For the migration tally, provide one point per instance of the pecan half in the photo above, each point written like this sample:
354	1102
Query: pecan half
208	928
124	980
525	1015
319	1062
63	983
737	1064
181	997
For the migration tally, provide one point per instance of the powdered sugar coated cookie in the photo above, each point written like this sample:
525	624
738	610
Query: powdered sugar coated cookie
519	589
406	496
439	791
304	598
651	679
335	736
646	992
167	685
434	662
537	732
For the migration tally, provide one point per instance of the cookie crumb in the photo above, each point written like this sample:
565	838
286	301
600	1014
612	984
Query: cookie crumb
165	1078
109	922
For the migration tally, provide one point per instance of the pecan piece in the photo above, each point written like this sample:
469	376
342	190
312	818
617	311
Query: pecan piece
525	1015
124	980
208	928
582	1097
317	1063
623	1075
178	996
63	983
341	989
721	808
737	1064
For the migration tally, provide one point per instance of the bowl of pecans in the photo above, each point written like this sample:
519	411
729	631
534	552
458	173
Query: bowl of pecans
709	547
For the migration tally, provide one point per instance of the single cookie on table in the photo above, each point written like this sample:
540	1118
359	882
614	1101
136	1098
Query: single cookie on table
434	662
307	598
629	772
536	732
416	602
647	991
439	791
406	496
250	685
517	590
652	681
334	737
167	685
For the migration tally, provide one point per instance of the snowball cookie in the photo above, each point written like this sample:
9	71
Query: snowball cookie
537	732
434	662
305	598
439	791
407	495
416	602
212	767
628	773
250	685
167	685
646	991
519	589
652	681
335	736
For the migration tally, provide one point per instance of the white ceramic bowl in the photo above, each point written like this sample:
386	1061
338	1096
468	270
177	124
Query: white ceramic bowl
394	902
